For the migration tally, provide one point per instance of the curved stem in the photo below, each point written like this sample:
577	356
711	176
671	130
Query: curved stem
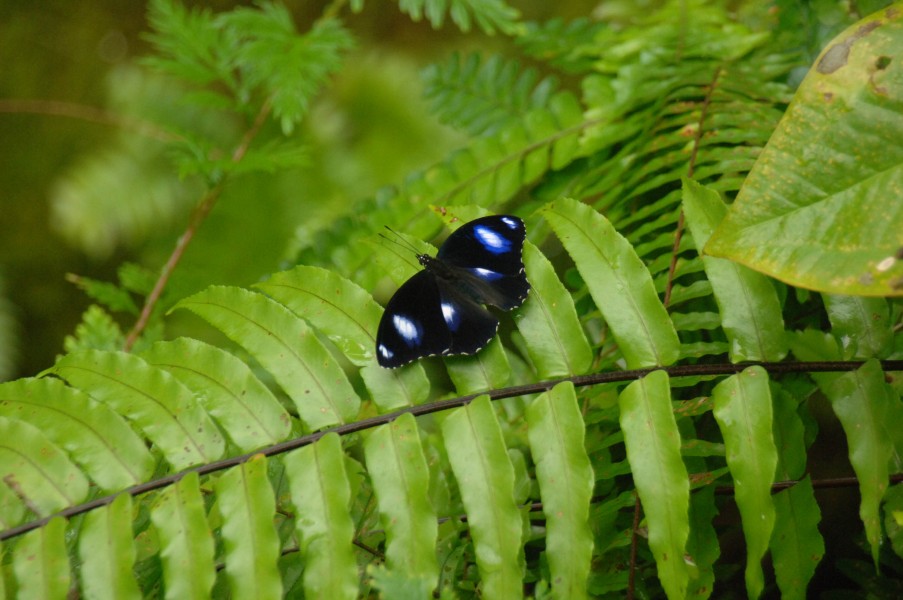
198	216
441	405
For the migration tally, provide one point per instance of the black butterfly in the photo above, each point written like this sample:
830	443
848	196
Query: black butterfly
438	310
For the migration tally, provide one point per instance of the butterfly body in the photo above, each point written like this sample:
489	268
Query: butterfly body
439	310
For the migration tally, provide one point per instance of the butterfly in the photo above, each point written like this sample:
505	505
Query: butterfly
439	310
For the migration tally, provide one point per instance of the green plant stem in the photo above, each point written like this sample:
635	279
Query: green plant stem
447	404
198	216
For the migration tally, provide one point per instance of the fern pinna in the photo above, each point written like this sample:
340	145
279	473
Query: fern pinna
643	387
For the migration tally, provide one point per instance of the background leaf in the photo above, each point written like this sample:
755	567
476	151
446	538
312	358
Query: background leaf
815	210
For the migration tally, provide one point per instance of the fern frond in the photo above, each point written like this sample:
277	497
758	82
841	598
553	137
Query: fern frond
483	97
288	68
489	15
566	45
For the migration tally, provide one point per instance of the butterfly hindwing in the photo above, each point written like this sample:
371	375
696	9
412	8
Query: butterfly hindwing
439	310
412	325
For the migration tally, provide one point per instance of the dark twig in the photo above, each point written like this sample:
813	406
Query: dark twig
441	405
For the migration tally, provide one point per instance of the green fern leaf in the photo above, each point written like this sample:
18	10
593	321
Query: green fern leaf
796	544
749	306
862	402
284	346
619	283
91	433
106	548
186	543
288	67
97	331
321	494
247	504
565	475
41	563
548	321
38	471
226	387
155	401
744	414
479	459
483	98
567	45
489	15
653	449
401	478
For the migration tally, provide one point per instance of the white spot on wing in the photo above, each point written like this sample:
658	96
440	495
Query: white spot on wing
492	241
407	329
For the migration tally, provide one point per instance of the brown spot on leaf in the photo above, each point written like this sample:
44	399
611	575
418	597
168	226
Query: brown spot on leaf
838	54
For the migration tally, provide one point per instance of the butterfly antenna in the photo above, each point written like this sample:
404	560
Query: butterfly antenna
403	242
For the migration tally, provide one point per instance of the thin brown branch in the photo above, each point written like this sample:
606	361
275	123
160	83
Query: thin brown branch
447	404
691	169
84	112
634	528
198	216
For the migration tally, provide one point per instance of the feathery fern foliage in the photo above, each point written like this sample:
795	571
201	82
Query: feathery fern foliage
288	462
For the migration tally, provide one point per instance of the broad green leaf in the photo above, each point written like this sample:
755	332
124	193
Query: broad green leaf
796	544
322	495
38	470
861	325
485	475
548	321
863	403
286	347
819	209
41	564
744	414
619	283
342	310
659	474
247	504
155	401
349	317
749	307
401	480
556	433
106	547
227	388
486	370
186	543
94	436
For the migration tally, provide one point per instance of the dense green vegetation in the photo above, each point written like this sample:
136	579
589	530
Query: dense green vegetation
699	398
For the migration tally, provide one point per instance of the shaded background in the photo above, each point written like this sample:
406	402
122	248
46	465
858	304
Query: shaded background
84	187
